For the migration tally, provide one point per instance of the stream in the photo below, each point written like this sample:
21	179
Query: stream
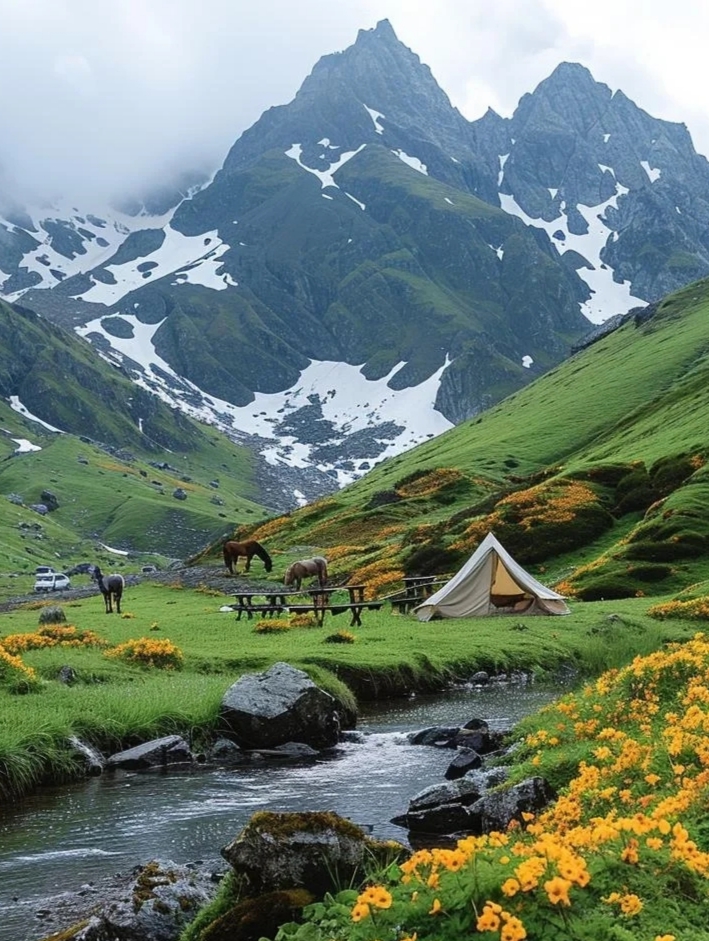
64	837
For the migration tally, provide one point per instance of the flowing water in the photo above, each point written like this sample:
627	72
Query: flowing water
61	838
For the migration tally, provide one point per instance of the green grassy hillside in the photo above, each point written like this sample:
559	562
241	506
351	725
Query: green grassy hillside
118	499
594	475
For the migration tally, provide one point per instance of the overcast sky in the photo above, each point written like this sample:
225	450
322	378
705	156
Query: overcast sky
112	92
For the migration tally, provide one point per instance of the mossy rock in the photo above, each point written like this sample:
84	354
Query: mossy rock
53	614
261	917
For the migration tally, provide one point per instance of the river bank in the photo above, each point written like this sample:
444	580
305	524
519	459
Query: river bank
116	701
67	837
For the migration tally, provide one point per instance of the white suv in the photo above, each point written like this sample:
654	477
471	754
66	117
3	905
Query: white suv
57	581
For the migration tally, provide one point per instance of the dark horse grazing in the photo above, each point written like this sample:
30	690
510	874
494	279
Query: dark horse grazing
250	548
297	571
111	587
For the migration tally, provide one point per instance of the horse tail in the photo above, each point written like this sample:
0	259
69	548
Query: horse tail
288	577
263	555
227	556
323	572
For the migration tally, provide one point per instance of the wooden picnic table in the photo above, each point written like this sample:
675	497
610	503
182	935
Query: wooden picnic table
276	600
417	588
322	602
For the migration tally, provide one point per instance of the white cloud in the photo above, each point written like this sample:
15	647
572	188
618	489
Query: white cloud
113	92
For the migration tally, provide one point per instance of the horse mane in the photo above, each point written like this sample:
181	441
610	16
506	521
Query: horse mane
262	554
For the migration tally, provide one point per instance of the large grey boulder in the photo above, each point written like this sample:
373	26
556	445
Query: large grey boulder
315	851
442	808
497	809
466	759
263	710
169	750
158	906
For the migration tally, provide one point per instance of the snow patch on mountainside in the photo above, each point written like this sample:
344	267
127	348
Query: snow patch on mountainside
609	296
348	400
193	258
411	161
325	176
93	238
17	406
375	116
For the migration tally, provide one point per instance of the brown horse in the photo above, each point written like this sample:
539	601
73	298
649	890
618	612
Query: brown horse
296	571
250	548
111	587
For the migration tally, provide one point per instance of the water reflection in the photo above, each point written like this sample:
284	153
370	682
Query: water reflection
64	837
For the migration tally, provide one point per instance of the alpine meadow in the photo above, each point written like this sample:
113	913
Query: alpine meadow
375	334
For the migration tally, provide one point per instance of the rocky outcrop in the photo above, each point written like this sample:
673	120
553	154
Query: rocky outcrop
476	803
264	710
158	753
314	851
158	905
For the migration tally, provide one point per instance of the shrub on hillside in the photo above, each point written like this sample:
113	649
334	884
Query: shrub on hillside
607	475
684	546
434	558
53	614
148	652
382	498
649	573
606	588
635	491
669	473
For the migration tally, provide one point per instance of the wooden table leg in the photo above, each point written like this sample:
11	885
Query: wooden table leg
356	620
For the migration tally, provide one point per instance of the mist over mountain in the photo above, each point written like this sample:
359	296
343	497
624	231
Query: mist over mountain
368	267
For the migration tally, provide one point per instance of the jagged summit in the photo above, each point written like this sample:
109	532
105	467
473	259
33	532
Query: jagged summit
368	266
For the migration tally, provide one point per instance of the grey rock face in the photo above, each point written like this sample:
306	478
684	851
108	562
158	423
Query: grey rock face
497	809
158	907
466	760
172	749
263	710
226	752
279	851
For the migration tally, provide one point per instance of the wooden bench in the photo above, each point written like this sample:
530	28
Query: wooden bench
320	602
275	603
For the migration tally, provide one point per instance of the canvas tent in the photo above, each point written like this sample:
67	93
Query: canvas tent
491	582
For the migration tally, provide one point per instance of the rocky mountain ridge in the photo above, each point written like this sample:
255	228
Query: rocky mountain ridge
368	267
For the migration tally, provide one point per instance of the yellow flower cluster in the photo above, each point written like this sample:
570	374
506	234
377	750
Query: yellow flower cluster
375	896
149	652
272	626
378	576
336	553
647	729
13	670
52	635
696	609
495	918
